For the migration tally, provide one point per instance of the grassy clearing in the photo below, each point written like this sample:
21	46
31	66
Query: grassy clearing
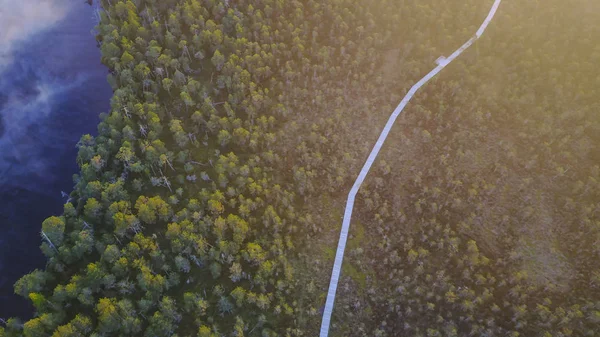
544	263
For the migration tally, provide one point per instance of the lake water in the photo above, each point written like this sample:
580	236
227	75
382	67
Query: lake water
52	89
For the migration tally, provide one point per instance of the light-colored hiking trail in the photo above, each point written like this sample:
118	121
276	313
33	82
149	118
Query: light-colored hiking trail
339	255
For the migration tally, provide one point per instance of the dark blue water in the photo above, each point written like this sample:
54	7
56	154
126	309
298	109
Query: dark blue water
51	93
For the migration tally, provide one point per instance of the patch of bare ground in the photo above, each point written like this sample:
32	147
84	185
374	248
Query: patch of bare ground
544	263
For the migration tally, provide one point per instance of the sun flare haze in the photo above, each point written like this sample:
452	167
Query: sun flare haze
220	168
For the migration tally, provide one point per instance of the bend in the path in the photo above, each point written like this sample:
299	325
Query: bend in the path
339	256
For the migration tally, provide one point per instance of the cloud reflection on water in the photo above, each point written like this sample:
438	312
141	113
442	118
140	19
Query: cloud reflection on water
34	80
52	88
21	19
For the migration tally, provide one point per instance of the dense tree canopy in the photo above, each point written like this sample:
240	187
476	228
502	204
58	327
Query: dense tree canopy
210	200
